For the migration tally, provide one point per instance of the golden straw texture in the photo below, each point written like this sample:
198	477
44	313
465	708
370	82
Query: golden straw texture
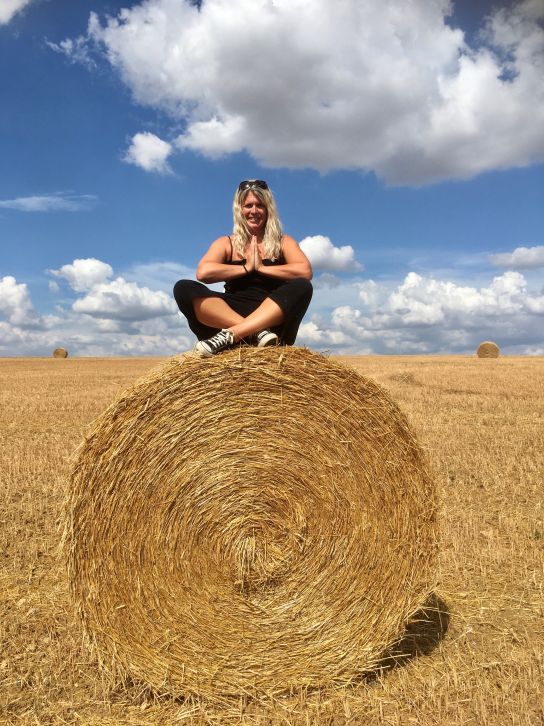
60	353
253	522
488	349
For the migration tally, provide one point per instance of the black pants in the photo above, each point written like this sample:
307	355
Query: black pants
293	297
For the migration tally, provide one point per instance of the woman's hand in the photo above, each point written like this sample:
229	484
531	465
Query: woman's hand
257	261
215	265
296	264
253	260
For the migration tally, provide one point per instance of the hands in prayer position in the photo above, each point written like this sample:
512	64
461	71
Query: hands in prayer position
254	260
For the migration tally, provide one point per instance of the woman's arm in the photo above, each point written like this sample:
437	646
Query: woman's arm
296	262
213	268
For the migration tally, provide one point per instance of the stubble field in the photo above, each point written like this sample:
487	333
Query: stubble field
479	657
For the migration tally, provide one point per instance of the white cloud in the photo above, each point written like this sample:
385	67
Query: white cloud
15	303
375	85
369	292
83	275
426	301
421	314
76	50
116	299
313	335
122	300
326	281
80	338
325	256
9	8
57	202
428	315
53	287
149	153
110	318
522	258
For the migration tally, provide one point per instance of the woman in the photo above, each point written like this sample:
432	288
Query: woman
266	274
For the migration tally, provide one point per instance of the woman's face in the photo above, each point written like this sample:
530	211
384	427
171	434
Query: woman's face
255	213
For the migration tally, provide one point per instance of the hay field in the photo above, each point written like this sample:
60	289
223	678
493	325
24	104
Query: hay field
478	658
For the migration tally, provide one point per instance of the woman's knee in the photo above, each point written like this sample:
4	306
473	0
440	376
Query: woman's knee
184	291
303	288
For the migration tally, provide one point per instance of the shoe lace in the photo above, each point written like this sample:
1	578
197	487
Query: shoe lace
220	339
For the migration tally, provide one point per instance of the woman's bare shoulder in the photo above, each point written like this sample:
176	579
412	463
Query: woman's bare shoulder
220	248
224	239
288	240
223	242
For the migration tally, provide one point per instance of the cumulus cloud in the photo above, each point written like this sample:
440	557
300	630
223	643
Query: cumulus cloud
326	281
426	301
369	292
149	152
314	335
117	299
57	202
15	303
522	258
115	315
373	85
83	275
423	314
9	8
108	317
325	256
122	300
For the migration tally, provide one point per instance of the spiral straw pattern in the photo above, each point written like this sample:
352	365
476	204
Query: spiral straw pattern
254	522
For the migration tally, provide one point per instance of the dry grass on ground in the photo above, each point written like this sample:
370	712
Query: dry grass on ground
479	661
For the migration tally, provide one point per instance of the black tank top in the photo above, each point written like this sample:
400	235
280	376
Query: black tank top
253	284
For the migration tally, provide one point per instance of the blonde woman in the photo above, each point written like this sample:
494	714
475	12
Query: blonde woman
266	275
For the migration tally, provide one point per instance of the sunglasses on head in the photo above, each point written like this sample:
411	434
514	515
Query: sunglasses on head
252	184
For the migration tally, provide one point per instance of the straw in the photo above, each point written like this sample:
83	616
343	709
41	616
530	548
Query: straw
488	349
254	522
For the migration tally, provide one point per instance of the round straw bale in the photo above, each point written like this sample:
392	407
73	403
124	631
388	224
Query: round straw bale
60	353
488	349
253	522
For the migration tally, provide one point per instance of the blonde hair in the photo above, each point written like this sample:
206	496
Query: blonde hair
273	233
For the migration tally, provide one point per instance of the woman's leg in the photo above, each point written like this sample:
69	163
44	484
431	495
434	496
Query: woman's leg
213	315
215	312
208	312
283	310
267	315
293	298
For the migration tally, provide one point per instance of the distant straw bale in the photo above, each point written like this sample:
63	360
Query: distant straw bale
254	522
60	353
488	349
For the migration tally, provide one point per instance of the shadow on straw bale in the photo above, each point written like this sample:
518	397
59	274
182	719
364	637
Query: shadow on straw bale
256	522
423	633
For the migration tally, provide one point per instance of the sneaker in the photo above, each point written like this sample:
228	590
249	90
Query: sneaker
220	341
266	337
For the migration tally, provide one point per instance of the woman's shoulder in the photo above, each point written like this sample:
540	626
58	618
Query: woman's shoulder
220	249
288	241
225	242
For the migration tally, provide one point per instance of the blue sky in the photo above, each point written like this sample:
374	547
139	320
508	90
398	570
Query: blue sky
404	144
